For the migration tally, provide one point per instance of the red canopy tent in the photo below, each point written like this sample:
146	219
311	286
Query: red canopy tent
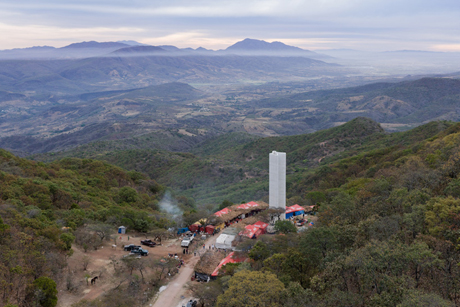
226	260
222	212
255	230
249	205
249	231
209	229
196	227
262	226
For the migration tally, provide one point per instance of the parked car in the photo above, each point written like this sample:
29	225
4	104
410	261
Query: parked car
301	222
192	303
140	251
130	247
148	242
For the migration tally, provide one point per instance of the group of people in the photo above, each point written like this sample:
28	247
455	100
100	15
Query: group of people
210	246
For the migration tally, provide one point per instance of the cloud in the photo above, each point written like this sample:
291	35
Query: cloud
390	24
21	36
447	47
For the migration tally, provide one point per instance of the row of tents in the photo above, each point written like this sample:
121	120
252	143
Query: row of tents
237	212
209	229
290	211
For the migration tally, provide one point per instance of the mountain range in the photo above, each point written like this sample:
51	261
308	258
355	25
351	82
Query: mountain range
92	48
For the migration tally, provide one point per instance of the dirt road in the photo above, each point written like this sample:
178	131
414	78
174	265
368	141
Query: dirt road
175	290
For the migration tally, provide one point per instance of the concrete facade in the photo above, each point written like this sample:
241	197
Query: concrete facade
277	187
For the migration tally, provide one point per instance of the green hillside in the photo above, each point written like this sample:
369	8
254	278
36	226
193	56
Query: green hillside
219	169
387	207
45	207
422	100
387	232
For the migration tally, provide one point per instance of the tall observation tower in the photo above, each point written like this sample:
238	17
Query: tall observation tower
277	188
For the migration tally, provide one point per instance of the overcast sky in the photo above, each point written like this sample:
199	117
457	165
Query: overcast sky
377	25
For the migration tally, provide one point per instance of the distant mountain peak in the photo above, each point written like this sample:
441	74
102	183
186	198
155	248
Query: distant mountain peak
94	44
131	43
255	47
250	44
139	50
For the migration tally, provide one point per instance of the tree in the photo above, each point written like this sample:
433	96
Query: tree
68	239
128	195
207	293
317	242
159	234
315	197
226	203
285	227
45	291
85	262
296	296
252	289
102	230
260	251
420	299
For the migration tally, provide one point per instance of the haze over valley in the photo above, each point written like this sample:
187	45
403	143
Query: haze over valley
53	99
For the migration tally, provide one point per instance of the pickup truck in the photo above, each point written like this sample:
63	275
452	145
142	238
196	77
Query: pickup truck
130	247
186	242
140	251
148	242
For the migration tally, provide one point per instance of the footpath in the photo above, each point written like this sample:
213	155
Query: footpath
175	290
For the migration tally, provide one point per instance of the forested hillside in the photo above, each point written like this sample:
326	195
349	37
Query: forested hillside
235	166
43	208
387	233
387	204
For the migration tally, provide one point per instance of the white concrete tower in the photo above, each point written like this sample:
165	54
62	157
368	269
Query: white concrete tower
277	187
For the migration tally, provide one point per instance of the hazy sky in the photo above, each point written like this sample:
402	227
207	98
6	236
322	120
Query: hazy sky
311	24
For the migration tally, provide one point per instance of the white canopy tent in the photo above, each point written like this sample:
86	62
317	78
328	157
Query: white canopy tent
224	241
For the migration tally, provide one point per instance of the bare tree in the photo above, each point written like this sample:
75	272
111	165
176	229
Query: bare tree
163	266
159	234
102	230
86	239
85	262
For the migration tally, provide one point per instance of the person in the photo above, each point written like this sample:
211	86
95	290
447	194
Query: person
194	253
183	251
204	246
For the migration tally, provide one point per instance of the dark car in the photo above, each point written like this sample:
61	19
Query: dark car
301	222
148	242
131	247
140	251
